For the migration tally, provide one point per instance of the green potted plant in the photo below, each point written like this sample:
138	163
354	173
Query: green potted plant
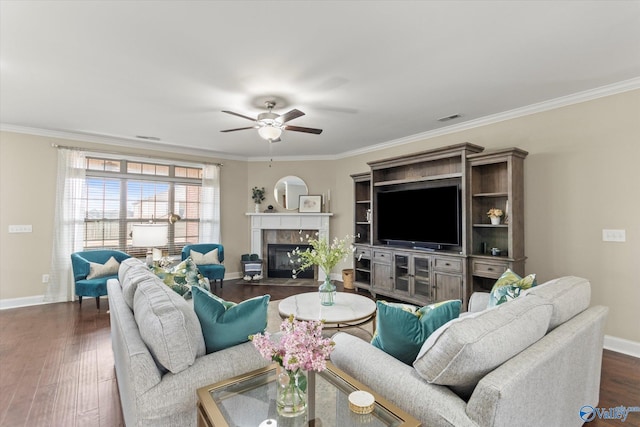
257	194
325	255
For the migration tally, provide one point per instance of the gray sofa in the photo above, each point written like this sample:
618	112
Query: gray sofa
532	361
159	351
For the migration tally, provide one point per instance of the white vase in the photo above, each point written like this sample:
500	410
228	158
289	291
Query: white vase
495	220
257	207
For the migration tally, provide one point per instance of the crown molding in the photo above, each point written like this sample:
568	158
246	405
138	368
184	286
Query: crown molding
576	98
116	141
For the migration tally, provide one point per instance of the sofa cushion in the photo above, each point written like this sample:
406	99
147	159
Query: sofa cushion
401	329
464	350
109	268
509	286
133	277
569	295
225	324
168	326
182	277
210	257
126	265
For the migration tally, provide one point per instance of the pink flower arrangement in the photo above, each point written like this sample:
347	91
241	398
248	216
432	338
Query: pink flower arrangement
300	347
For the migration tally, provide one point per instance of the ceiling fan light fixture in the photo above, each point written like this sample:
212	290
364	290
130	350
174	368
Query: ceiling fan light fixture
269	132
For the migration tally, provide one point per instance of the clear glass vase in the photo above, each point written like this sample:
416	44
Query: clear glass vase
291	394
327	292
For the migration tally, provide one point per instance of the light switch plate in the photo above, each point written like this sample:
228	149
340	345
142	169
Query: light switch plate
20	229
614	235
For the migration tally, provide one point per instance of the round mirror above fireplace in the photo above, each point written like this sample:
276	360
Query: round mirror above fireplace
288	190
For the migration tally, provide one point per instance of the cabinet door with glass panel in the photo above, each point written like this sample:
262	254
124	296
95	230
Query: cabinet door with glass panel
401	274
421	271
412	277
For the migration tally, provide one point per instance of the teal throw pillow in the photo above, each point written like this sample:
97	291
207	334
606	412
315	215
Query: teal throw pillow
182	277
401	329
225	324
509	286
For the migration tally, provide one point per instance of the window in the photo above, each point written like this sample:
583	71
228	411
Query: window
120	193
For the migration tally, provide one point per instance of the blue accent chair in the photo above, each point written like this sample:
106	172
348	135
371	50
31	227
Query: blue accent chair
212	272
93	287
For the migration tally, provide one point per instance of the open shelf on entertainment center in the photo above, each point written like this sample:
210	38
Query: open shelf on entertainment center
418	179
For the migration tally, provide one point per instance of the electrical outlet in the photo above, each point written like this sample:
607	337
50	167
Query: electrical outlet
20	229
45	278
614	235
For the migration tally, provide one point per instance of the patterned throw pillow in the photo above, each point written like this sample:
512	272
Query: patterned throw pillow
225	324
509	286
401	329
182	277
109	268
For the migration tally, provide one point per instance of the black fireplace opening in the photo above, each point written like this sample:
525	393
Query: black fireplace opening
279	264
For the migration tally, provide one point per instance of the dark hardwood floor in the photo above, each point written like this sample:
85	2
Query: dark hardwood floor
56	365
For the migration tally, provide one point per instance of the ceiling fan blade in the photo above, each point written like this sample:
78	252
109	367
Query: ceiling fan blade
293	114
303	129
232	130
239	115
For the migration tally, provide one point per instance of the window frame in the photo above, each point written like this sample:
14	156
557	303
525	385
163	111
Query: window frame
124	222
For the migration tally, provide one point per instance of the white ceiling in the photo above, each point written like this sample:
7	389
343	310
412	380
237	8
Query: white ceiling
367	72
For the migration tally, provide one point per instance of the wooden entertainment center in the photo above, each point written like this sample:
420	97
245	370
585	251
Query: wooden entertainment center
425	275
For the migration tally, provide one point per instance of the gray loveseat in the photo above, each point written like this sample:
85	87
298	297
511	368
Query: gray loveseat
532	361
159	351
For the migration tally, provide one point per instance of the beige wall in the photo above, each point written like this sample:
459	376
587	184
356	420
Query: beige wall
27	194
582	175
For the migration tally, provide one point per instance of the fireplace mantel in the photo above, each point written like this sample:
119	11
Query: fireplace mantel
286	221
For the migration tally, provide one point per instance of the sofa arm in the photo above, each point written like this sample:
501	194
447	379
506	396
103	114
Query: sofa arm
433	405
478	301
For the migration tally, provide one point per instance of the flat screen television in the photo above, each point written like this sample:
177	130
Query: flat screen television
428	218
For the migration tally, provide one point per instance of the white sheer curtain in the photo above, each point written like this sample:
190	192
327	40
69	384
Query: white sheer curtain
210	205
68	227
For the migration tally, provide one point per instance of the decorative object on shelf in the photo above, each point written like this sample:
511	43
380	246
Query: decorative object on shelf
301	348
257	194
495	214
326	256
311	204
269	209
505	220
496	251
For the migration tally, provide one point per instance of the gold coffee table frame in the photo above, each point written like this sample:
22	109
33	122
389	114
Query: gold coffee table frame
210	415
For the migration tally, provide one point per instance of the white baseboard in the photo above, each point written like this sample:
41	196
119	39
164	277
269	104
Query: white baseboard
28	301
21	302
621	345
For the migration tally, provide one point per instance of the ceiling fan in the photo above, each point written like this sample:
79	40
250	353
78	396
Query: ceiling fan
270	125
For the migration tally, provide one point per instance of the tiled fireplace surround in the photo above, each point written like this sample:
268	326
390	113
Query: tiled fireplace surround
286	228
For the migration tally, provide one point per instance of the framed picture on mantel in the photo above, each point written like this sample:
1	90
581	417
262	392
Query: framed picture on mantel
311	204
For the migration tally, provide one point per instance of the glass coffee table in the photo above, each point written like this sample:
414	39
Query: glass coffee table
249	400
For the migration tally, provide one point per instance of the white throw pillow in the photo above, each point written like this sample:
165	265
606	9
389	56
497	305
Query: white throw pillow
464	350
109	268
210	257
